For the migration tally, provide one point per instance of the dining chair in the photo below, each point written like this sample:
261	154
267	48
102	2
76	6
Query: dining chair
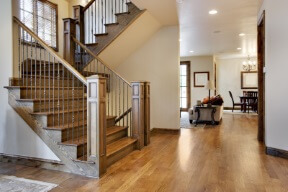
235	104
253	104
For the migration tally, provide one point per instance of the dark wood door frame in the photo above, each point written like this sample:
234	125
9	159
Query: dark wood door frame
188	84
261	78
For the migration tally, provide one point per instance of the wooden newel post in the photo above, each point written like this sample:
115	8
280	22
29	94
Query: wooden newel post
79	17
138	113
96	121
146	113
69	45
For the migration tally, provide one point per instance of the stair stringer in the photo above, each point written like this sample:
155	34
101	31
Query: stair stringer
67	164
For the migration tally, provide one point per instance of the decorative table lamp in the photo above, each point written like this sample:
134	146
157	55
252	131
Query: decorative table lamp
210	86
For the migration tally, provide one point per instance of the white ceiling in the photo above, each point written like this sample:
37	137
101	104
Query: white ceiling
210	34
218	34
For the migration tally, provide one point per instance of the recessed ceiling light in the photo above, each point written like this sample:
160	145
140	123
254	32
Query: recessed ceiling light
242	34
213	12
180	39
239	48
191	51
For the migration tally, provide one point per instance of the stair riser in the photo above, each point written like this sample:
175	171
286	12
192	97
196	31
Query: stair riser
81	150
119	155
65	118
47	73
52	93
45	106
110	122
43	82
75	132
33	67
116	136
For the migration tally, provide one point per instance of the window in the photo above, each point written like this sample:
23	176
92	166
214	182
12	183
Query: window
184	85
41	17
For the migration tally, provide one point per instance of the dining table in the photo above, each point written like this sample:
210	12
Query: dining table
247	101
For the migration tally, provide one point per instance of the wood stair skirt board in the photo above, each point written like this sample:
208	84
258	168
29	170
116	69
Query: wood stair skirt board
277	152
33	162
165	131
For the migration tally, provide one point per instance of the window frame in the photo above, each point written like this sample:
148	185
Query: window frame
188	85
35	17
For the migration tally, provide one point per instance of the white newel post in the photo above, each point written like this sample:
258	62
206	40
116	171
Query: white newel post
96	121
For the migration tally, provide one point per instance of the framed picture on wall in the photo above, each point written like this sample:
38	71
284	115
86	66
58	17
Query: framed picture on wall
249	80
200	78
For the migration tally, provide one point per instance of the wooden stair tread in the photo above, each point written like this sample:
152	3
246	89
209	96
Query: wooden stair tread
115	129
110	117
127	12
68	125
41	77
109	24
40	87
116	146
91	44
100	34
48	99
76	142
61	111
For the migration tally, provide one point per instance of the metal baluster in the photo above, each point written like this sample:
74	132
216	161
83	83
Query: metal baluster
83	124
31	72
35	78
63	97
68	107
45	62
58	102
19	55
53	99
73	117
49	81
23	57
26	73
40	80
92	29
123	93
95	19
102	17
119	97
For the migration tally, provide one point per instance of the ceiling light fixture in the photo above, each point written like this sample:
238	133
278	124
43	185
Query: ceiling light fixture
249	64
179	1
242	34
213	12
191	51
239	48
180	39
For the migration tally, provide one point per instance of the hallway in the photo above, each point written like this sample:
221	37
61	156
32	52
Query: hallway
226	157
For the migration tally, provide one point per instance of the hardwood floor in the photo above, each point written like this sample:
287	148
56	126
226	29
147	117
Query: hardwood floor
223	158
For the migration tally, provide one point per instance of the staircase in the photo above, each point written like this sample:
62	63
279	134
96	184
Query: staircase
51	95
101	30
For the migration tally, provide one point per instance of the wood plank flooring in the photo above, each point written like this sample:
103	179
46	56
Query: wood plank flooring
222	158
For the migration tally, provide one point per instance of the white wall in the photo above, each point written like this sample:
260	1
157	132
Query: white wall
276	76
228	74
16	137
199	64
157	61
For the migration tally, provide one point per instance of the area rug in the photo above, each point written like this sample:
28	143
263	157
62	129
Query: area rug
185	123
16	184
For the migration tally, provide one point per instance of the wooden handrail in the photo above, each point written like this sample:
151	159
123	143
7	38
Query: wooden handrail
123	115
88	5
52	52
96	57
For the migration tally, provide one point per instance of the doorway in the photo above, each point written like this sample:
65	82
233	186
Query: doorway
184	85
261	78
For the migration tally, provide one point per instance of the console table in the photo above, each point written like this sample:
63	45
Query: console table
198	109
